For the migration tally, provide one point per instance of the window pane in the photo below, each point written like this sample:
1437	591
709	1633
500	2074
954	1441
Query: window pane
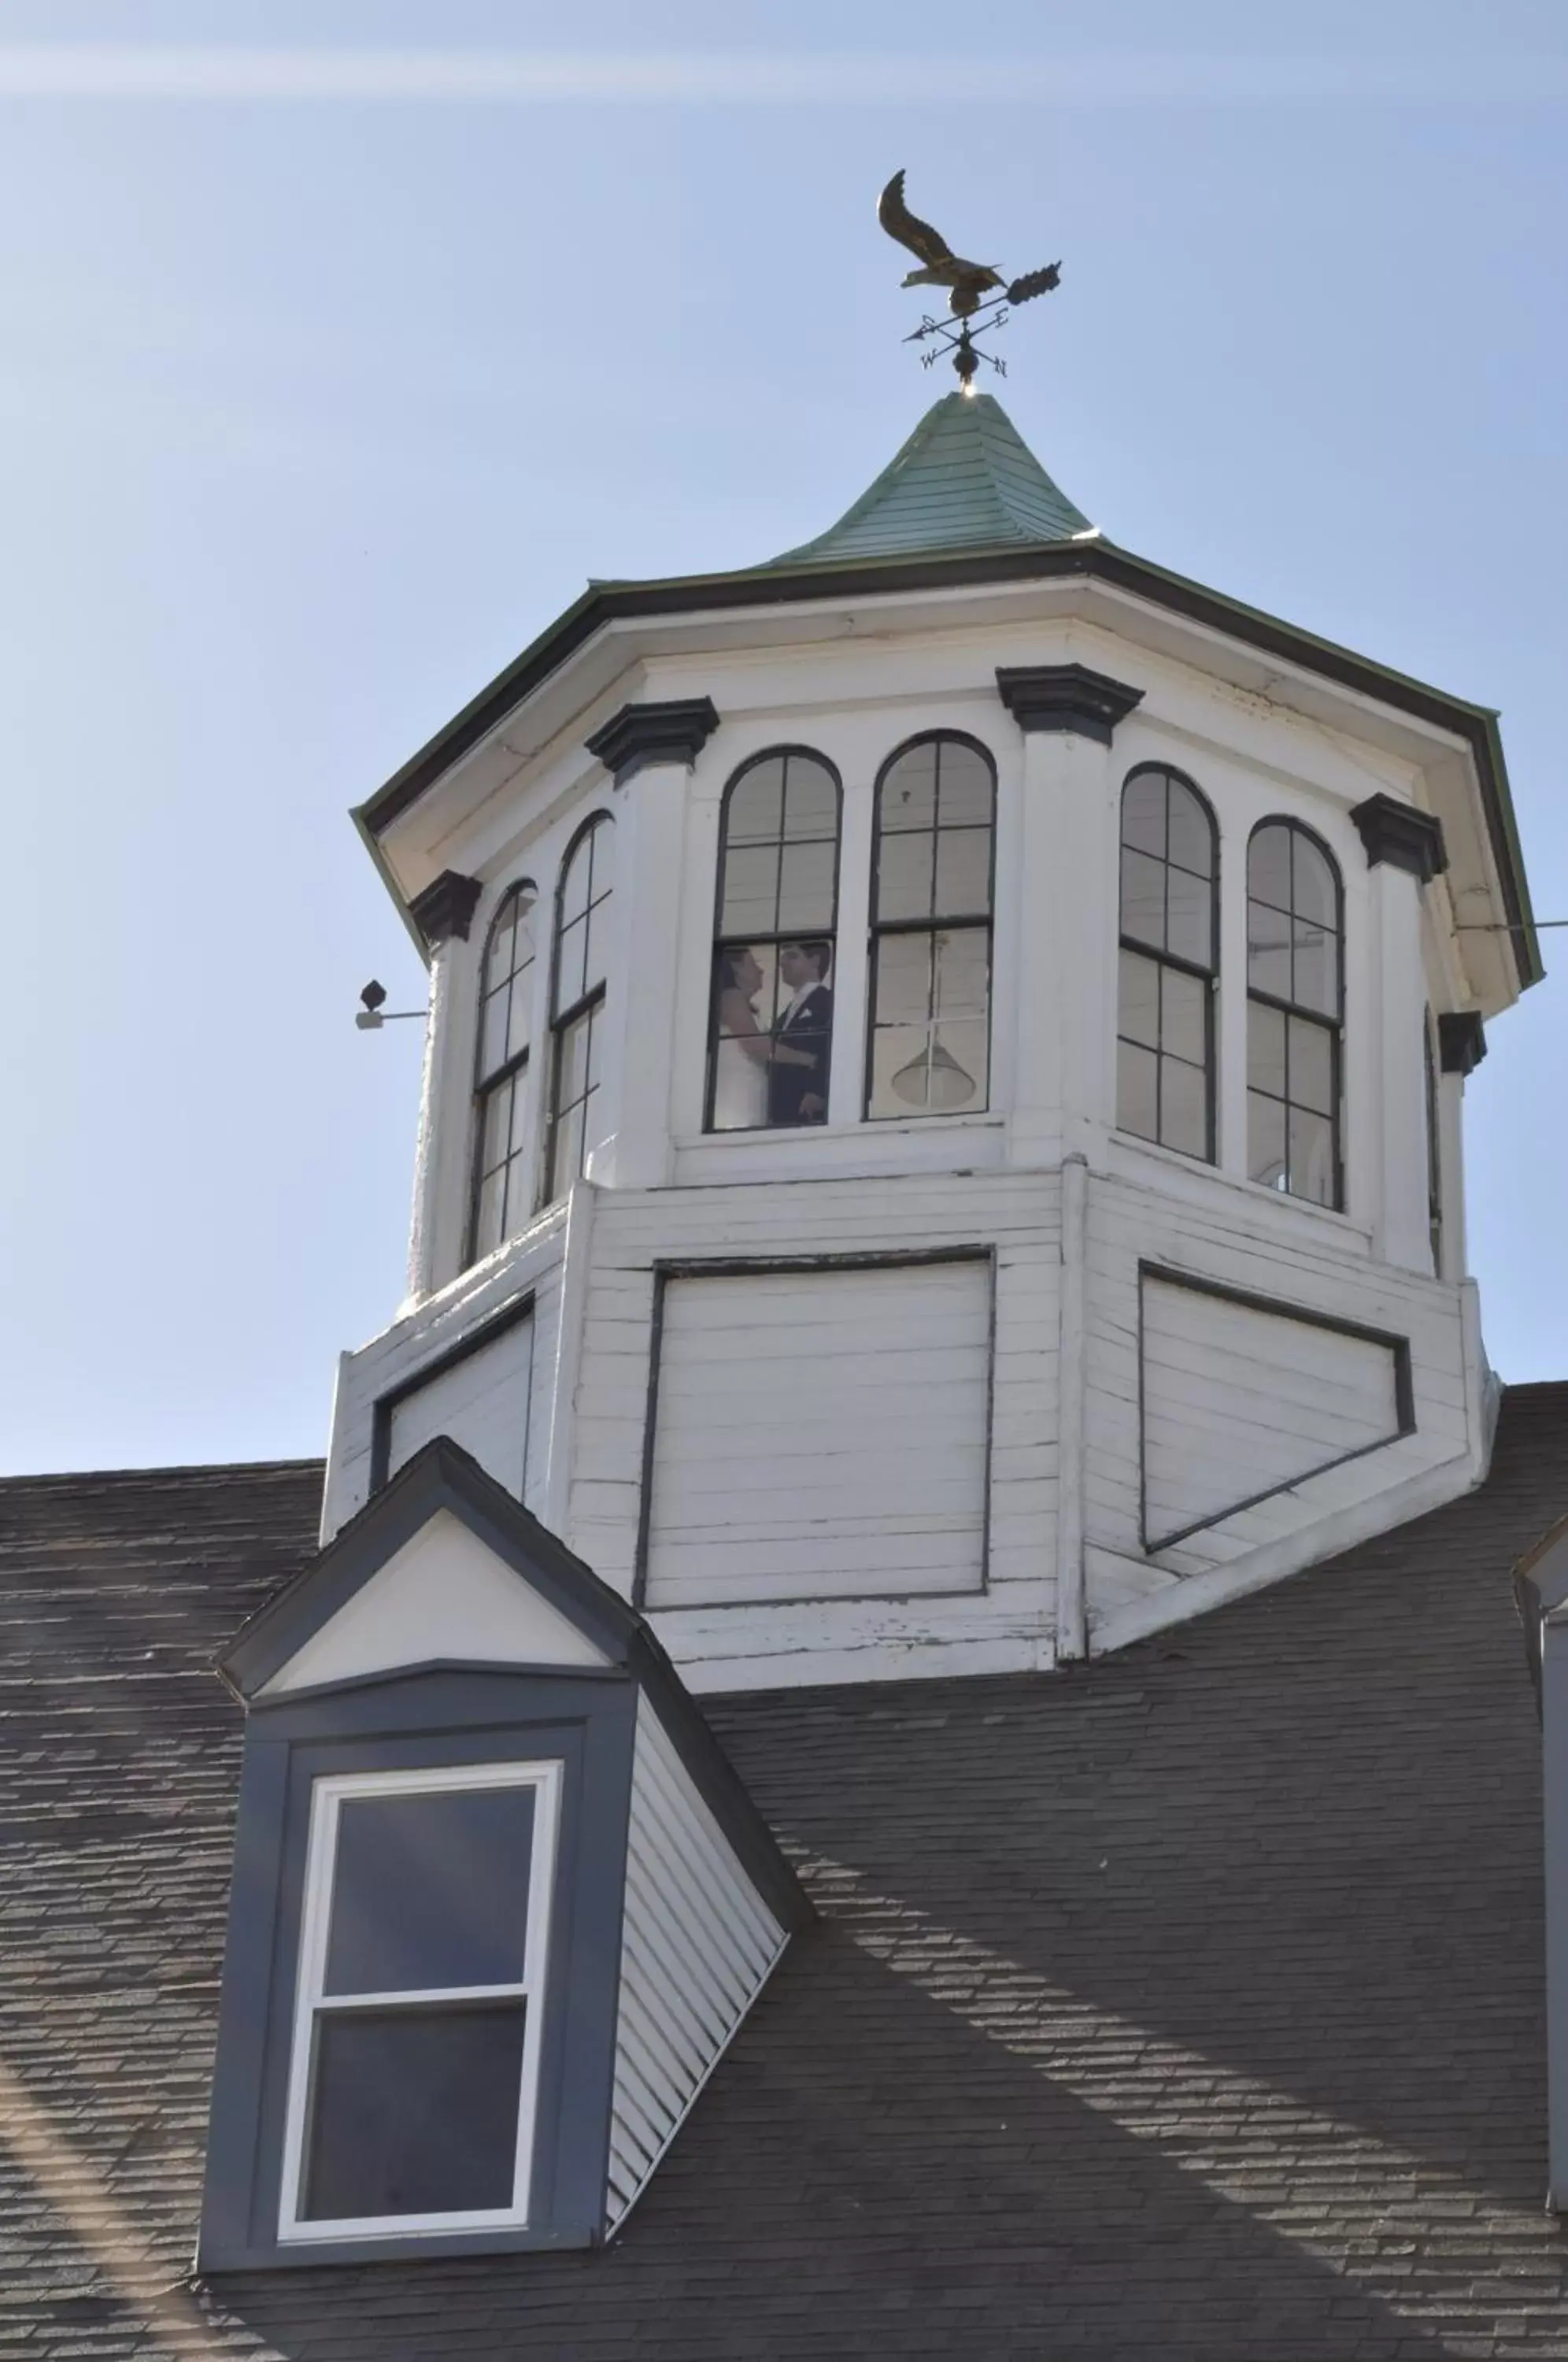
430	1890
903	979
1140	999
904	877
570	963
599	846
1265	1051
1184	1106
521	1010
1269	864
1192	836
1312	884
415	2111
1184	1015
1189	920
1311	1065
962	958
750	901
743	1012
1143	899
566	1161
492	1031
908	792
574	885
1268	950
489	1224
1311	1156
1144	813
812	802
805	886
1316	977
962	872
1137	1089
572	1077
596	945
1265	1140
965	781
754	815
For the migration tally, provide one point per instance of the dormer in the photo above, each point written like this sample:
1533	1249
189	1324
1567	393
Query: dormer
945	1062
499	1903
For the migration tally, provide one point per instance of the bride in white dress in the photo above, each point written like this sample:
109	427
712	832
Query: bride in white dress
743	1052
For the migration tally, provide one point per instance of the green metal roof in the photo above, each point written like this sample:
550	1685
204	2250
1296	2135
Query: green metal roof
965	480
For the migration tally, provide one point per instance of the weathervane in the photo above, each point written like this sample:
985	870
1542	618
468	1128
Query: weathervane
971	297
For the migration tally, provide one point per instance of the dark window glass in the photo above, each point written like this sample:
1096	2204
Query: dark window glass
1295	983
430	1890
1169	919
770	1039
506	992
930	934
415	2111
577	1002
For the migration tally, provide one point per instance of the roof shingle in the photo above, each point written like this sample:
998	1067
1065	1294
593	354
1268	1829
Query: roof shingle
1187	2005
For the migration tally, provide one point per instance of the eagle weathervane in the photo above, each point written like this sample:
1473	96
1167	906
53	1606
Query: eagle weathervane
978	294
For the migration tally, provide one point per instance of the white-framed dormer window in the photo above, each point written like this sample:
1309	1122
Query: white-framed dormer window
424	1942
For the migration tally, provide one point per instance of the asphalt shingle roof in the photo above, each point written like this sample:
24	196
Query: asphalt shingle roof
965	480
1185	2006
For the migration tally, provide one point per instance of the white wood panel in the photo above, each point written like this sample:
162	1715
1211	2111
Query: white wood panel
1237	1401
697	1946
481	1401
821	1434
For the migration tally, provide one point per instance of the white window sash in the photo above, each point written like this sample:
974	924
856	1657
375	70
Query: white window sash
327	1797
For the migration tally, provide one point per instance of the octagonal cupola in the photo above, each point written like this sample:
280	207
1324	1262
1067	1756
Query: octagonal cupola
941	1140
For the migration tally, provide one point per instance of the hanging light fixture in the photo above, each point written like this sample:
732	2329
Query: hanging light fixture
934	1079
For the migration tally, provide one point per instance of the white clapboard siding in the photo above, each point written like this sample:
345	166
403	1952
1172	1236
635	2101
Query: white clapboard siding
1237	1401
821	1434
697	1945
481	1401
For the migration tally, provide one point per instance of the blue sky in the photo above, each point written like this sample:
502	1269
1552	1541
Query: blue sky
319	399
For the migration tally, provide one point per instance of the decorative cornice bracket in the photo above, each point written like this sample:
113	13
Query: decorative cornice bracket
446	906
1065	697
674	731
1461	1041
1399	833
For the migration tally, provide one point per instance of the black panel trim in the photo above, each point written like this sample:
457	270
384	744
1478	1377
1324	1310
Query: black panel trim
473	1340
1280	1310
763	1267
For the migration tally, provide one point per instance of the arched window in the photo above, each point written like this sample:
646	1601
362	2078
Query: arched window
770	1035
930	931
576	1001
1295	1012
1169	960
506	1011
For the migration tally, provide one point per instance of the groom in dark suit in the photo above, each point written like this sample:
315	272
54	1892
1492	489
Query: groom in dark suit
797	1085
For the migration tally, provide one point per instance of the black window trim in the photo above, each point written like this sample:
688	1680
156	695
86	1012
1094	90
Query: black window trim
1334	1026
877	926
561	1021
1209	976
723	942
